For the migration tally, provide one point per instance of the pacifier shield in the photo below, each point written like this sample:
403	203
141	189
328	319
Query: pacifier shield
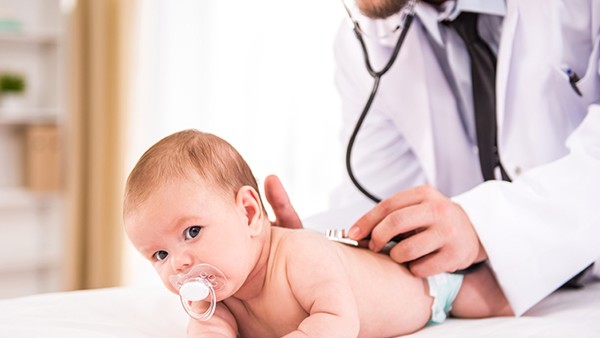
197	290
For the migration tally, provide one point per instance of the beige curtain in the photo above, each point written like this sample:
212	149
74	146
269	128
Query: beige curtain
97	53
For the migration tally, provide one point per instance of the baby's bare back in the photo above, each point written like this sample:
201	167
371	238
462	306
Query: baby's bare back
390	301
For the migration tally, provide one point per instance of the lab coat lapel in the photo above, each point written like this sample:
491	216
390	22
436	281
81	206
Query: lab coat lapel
504	62
408	78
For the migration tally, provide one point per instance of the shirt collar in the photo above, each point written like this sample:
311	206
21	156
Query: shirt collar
430	16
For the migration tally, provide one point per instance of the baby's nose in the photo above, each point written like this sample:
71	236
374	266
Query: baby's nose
181	262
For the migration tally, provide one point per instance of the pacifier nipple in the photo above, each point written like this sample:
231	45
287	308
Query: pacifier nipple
194	291
197	289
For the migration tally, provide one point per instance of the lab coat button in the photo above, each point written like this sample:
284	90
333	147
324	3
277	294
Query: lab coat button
517	171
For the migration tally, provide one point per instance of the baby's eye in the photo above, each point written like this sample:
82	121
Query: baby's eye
192	232
160	255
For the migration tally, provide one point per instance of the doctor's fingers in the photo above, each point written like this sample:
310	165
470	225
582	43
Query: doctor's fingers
405	221
415	247
285	214
457	243
434	263
383	209
428	265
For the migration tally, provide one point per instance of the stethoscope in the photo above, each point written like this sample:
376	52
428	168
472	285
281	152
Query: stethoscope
408	13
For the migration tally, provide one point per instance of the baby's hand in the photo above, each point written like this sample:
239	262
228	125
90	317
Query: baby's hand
221	324
200	306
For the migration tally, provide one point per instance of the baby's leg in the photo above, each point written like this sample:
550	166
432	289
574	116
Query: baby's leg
480	296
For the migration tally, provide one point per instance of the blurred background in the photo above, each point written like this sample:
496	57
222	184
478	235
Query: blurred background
86	86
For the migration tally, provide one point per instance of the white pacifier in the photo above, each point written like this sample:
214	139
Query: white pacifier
199	285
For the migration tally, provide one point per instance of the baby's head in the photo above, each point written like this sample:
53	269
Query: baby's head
188	154
192	199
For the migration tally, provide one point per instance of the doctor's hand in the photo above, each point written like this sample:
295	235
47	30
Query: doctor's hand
285	214
438	235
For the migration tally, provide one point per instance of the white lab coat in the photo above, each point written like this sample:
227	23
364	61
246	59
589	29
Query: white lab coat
544	227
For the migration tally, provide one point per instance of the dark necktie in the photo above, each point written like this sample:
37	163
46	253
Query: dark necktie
483	77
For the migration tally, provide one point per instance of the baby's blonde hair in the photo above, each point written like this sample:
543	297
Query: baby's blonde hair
183	155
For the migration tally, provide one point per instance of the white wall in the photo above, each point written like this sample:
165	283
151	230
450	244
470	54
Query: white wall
257	73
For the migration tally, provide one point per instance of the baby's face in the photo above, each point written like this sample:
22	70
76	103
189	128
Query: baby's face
185	223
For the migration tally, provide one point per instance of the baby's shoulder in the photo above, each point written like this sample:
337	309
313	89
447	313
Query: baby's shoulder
302	251
297	236
300	240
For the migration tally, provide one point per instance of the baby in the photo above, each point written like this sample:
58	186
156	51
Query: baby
192	201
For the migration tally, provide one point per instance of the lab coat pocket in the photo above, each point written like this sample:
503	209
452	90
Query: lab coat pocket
578	91
590	82
586	85
568	93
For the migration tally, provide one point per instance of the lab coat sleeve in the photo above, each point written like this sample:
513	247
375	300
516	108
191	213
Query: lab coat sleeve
544	227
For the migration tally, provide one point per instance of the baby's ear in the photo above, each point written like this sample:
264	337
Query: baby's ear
249	200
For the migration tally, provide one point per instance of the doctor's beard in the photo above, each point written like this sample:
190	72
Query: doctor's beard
380	9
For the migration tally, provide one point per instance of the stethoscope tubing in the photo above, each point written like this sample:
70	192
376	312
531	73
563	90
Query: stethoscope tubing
376	75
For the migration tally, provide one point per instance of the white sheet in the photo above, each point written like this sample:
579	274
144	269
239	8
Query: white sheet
153	312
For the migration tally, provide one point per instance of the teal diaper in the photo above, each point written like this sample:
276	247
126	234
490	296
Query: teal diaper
443	288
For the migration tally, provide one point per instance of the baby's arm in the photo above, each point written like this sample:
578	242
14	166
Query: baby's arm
221	324
320	284
480	296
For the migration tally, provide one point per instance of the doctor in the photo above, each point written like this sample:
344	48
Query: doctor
418	149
